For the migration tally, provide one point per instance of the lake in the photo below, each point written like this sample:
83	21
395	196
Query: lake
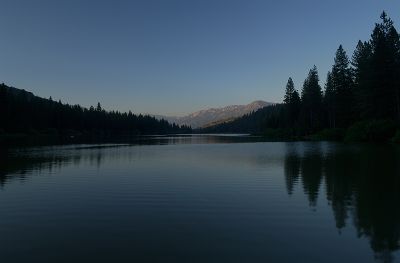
200	199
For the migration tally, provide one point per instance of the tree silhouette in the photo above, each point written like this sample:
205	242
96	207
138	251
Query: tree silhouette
292	103
330	101
361	62
385	70
341	81
311	98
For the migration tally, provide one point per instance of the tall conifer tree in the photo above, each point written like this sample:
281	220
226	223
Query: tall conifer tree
330	101
292	103
385	70
311	97
342	88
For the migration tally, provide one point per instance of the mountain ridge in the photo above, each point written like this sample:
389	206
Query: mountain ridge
205	117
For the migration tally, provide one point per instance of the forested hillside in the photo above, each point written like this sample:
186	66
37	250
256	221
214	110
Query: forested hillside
254	122
22	112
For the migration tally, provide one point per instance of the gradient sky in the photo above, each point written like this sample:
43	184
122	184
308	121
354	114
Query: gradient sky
174	57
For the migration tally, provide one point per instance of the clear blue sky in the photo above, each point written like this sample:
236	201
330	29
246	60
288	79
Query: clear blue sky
174	57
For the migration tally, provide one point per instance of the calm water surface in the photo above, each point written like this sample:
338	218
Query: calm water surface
200	199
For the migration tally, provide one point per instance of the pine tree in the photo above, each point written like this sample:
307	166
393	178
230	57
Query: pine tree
292	103
3	106
341	79
330	101
289	91
385	70
98	108
311	98
361	62
394	50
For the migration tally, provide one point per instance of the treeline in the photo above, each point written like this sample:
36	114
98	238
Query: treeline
365	87
22	112
360	100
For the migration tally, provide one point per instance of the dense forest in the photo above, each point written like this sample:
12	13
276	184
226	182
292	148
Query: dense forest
23	112
360	100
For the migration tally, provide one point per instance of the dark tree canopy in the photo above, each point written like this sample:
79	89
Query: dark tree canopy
21	111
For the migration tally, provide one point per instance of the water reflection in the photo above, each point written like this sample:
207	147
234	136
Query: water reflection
362	186
19	166
133	140
17	162
360	183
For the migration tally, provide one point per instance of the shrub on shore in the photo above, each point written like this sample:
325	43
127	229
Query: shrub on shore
371	131
396	137
335	134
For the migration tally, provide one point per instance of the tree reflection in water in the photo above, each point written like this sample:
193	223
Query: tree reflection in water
361	182
362	186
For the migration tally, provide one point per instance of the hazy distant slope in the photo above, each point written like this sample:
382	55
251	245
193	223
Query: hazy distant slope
254	122
214	115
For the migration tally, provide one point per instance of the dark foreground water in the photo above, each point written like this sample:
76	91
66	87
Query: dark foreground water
200	199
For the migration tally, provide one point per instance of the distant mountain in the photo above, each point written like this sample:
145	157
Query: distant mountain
255	122
210	116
